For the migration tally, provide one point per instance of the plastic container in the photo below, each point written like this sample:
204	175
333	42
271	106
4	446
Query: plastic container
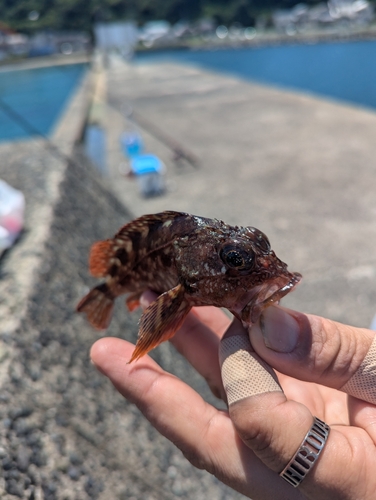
12	208
95	147
131	144
149	171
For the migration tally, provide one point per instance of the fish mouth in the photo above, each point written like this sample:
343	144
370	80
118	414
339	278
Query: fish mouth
256	300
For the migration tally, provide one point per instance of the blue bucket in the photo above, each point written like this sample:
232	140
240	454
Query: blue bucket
131	145
146	164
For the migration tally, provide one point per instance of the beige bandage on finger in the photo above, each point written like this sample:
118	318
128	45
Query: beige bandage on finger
362	384
244	373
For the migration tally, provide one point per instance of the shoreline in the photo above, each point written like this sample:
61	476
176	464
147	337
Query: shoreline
44	61
263	39
267	39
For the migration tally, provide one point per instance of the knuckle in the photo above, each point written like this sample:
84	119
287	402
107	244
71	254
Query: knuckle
264	425
250	426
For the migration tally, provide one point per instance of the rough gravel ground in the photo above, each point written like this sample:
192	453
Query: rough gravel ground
65	432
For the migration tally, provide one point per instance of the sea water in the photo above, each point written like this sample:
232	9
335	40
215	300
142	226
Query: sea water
344	71
32	100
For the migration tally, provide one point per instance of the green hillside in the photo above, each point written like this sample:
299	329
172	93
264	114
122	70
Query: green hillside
31	15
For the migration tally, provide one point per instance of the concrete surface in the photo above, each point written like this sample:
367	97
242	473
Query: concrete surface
65	433
299	168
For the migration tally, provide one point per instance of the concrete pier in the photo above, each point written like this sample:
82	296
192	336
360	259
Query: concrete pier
299	168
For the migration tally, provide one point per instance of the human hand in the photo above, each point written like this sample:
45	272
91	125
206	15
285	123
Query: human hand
249	446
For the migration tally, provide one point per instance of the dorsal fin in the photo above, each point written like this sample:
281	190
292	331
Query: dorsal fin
139	224
132	243
148	233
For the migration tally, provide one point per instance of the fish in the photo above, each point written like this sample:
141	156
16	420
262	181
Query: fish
188	261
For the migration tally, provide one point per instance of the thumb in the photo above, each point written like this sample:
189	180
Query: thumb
319	350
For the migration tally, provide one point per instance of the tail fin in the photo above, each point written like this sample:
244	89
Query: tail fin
98	305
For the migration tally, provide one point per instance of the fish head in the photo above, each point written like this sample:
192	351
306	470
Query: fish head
235	268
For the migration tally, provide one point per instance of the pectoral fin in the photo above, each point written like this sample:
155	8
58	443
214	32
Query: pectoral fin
161	320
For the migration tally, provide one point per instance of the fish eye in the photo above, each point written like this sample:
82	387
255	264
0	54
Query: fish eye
237	258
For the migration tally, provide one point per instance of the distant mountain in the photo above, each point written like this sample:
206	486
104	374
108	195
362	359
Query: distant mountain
31	15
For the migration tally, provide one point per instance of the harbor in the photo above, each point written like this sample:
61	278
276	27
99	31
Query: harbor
284	162
298	167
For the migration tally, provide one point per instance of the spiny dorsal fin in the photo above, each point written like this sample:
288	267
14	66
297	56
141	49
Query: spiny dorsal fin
147	234
132	243
139	224
161	320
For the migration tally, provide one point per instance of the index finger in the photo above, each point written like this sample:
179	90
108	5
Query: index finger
205	435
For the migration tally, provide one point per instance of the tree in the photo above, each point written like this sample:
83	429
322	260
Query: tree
81	14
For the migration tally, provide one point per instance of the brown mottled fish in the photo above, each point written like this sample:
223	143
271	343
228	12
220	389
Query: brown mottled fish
190	261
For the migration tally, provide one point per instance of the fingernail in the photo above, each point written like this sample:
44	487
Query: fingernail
279	329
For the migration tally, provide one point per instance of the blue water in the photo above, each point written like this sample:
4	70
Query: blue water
38	95
343	71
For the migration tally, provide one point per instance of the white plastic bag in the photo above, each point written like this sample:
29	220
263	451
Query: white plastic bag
12	208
